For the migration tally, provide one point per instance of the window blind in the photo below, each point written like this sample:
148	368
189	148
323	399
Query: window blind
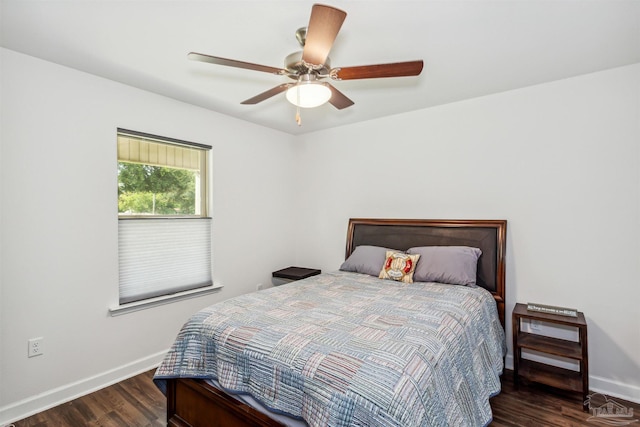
163	256
137	150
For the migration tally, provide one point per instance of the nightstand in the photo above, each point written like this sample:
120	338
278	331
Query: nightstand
564	379
291	274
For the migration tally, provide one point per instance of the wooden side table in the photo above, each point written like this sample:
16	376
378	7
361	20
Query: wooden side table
561	378
291	274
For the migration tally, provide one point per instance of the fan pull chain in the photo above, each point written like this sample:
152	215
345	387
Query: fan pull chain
298	118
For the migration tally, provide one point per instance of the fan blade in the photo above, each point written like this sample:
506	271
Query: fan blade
233	63
324	25
268	94
396	69
339	99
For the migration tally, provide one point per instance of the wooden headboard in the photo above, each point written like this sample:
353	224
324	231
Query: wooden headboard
488	235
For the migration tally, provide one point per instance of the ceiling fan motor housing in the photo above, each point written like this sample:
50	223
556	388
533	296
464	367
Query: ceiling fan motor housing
296	66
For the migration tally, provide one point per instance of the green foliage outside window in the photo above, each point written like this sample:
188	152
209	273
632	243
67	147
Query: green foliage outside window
155	190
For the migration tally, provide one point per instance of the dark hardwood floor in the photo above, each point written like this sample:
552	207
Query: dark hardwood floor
137	402
132	402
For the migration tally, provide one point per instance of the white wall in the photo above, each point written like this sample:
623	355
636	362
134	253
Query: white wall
59	226
559	161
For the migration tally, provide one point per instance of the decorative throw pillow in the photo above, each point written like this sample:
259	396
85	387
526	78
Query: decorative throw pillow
456	265
399	266
366	259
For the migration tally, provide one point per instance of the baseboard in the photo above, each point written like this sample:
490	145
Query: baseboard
614	388
508	362
606	386
41	402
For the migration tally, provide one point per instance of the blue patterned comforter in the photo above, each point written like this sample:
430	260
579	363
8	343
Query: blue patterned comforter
346	349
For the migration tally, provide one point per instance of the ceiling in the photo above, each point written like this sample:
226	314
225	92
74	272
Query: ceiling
470	48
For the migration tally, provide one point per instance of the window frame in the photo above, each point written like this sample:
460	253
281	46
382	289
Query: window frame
203	198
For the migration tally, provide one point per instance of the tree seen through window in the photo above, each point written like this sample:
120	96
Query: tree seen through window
155	190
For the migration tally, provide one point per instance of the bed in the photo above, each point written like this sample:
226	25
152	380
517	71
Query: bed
346	348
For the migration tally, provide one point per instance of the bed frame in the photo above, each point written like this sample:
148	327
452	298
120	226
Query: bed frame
194	403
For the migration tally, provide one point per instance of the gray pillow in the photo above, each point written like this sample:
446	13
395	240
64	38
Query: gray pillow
456	265
366	259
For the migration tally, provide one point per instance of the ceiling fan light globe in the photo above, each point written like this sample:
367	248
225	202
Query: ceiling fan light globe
308	94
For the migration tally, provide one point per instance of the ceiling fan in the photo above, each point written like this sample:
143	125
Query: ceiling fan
309	67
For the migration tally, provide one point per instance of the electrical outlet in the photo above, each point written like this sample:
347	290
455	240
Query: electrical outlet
534	324
36	347
259	287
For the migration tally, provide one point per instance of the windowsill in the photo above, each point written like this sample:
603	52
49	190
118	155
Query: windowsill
166	299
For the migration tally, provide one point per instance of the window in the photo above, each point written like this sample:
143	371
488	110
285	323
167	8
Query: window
164	232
